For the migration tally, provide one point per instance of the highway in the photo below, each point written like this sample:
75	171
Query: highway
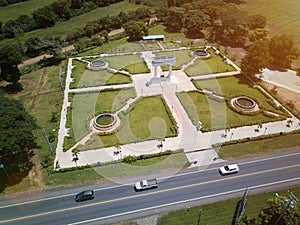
119	200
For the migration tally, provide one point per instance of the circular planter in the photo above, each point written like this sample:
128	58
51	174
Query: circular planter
201	53
97	64
104	122
244	104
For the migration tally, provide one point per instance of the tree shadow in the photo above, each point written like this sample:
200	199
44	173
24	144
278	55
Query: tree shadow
12	88
236	211
12	180
278	68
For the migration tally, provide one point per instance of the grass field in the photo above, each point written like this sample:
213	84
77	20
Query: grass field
13	11
61	29
220	213
283	16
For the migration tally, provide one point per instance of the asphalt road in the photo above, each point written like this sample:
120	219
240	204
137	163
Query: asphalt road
116	202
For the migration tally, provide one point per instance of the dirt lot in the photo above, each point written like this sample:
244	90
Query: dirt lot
285	95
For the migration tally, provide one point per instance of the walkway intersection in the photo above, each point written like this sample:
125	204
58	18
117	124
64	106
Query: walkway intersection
196	144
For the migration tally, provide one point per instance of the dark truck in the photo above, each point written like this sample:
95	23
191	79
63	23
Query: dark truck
146	184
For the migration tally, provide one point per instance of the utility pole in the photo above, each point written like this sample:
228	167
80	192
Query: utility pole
3	167
47	139
199	216
292	199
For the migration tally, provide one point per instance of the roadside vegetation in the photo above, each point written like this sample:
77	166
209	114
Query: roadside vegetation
259	209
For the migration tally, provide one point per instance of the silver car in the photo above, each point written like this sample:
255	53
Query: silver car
229	169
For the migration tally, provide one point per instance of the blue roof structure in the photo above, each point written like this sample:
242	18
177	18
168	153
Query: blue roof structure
153	37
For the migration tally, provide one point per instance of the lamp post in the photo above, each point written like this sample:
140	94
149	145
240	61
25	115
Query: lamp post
265	130
2	167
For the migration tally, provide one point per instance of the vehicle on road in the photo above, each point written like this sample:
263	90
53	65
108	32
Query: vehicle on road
85	195
229	169
146	184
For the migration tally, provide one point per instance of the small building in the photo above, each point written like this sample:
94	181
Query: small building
157	37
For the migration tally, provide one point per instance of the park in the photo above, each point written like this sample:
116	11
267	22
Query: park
153	96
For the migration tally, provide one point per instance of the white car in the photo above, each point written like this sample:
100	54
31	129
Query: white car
229	169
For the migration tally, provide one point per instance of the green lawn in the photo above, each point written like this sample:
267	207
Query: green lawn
147	119
107	47
113	171
235	86
128	47
182	57
199	67
87	78
119	62
160	29
215	114
137	68
86	106
253	148
173	161
283	16
213	64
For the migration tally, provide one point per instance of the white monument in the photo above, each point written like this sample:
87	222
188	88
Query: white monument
162	61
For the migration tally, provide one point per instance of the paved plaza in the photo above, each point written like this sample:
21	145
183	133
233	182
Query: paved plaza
196	144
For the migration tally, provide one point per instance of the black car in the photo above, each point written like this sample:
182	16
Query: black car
85	195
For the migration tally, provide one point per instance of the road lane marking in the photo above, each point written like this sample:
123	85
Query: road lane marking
160	178
182	202
146	194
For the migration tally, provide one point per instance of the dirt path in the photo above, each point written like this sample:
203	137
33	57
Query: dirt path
28	89
40	57
35	175
40	85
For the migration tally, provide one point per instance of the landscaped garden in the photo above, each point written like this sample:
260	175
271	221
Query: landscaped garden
148	118
215	111
87	105
83	77
214	64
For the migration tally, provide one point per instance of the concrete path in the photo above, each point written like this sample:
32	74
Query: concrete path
286	79
196	145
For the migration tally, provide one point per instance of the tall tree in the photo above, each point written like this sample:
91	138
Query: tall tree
16	137
10	58
135	30
276	207
195	22
44	17
174	19
257	57
283	50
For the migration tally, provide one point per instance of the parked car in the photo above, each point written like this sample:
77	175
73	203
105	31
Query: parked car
85	195
229	169
146	184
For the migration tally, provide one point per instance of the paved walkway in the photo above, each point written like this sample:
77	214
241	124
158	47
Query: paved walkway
287	79
196	145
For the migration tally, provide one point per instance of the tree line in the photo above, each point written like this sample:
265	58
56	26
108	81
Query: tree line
11	56
9	2
278	51
215	20
48	15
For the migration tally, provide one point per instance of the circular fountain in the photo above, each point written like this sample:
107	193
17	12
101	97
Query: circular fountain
97	64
